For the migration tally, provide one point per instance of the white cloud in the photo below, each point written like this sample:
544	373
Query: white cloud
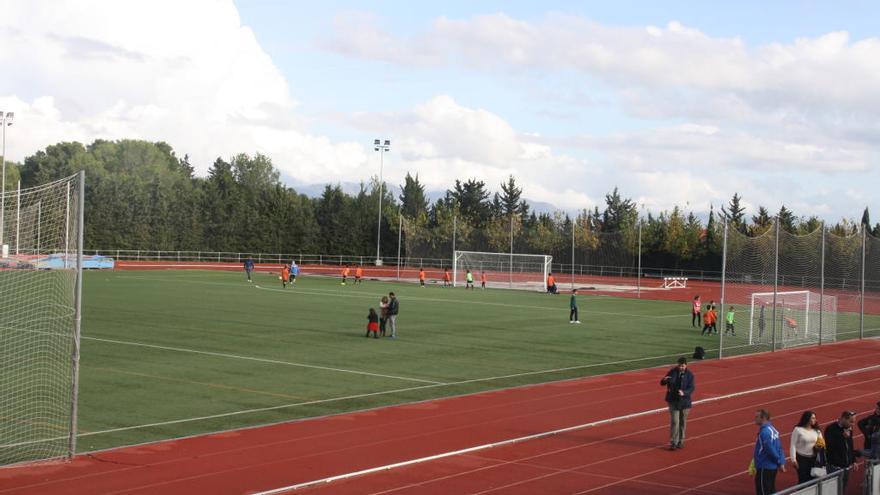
185	72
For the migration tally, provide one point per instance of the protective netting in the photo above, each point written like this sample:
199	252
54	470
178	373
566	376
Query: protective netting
843	275
750	268
605	261
38	275
872	286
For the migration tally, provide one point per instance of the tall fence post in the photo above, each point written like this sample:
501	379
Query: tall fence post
862	288
399	236
775	282
573	224
510	264
723	288
639	267
822	285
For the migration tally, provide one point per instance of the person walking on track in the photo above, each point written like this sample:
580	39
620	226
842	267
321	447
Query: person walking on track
680	384
769	456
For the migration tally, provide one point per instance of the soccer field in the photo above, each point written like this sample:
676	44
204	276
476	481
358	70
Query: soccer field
175	353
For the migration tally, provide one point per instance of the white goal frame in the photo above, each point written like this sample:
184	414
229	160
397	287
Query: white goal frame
813	304
543	261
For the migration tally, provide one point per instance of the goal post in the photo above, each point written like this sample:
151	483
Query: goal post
503	270
40	320
802	317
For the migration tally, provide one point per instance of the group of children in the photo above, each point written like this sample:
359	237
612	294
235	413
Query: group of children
289	274
358	274
710	318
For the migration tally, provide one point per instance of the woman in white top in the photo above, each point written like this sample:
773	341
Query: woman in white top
803	445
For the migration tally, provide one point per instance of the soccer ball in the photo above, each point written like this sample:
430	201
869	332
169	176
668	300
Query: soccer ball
279	277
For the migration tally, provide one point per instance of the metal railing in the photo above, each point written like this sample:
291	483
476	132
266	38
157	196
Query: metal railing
830	484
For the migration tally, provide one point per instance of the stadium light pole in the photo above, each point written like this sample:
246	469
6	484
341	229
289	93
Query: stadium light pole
5	121
381	147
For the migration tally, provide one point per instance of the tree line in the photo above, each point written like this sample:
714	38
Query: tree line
141	195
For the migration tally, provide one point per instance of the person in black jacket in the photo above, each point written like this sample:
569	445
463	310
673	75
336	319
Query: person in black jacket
393	310
870	425
680	385
839	445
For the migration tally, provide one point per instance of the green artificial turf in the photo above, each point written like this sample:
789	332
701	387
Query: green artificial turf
177	347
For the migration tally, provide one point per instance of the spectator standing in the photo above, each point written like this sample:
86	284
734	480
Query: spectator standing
769	456
870	425
680	384
839	445
804	446
695	312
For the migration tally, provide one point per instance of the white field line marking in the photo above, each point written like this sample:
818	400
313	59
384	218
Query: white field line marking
335	399
535	436
261	360
575	469
316	292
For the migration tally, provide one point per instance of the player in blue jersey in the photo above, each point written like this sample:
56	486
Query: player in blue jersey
249	267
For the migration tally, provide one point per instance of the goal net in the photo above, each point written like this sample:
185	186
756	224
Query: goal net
795	317
515	271
40	287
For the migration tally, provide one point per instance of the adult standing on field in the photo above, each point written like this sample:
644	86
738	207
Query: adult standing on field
769	456
249	267
393	310
680	384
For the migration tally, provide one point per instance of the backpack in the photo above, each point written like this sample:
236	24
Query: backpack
699	352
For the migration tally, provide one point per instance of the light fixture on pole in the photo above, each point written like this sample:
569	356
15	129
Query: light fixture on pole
5	121
381	147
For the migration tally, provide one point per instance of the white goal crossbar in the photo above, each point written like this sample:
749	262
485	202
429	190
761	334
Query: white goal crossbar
510	270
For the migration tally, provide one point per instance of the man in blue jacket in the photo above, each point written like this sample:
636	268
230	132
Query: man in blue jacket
680	384
769	456
249	267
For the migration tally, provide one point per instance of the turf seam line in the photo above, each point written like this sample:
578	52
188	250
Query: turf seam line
535	436
261	360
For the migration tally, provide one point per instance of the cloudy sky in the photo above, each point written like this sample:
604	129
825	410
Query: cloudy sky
674	102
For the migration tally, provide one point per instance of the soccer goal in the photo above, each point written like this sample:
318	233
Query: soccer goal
40	299
801	318
515	271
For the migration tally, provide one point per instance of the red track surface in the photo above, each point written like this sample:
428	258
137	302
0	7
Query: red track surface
618	457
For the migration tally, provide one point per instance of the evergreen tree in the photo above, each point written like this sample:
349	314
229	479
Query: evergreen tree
735	213
761	222
787	220
414	202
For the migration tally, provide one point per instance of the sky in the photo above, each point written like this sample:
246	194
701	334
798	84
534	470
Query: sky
676	103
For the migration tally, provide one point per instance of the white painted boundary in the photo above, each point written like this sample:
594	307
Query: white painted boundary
261	360
545	434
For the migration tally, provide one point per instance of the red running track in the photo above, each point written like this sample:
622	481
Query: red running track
621	454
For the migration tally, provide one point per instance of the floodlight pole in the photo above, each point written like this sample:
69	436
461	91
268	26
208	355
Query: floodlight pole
573	224
381	147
